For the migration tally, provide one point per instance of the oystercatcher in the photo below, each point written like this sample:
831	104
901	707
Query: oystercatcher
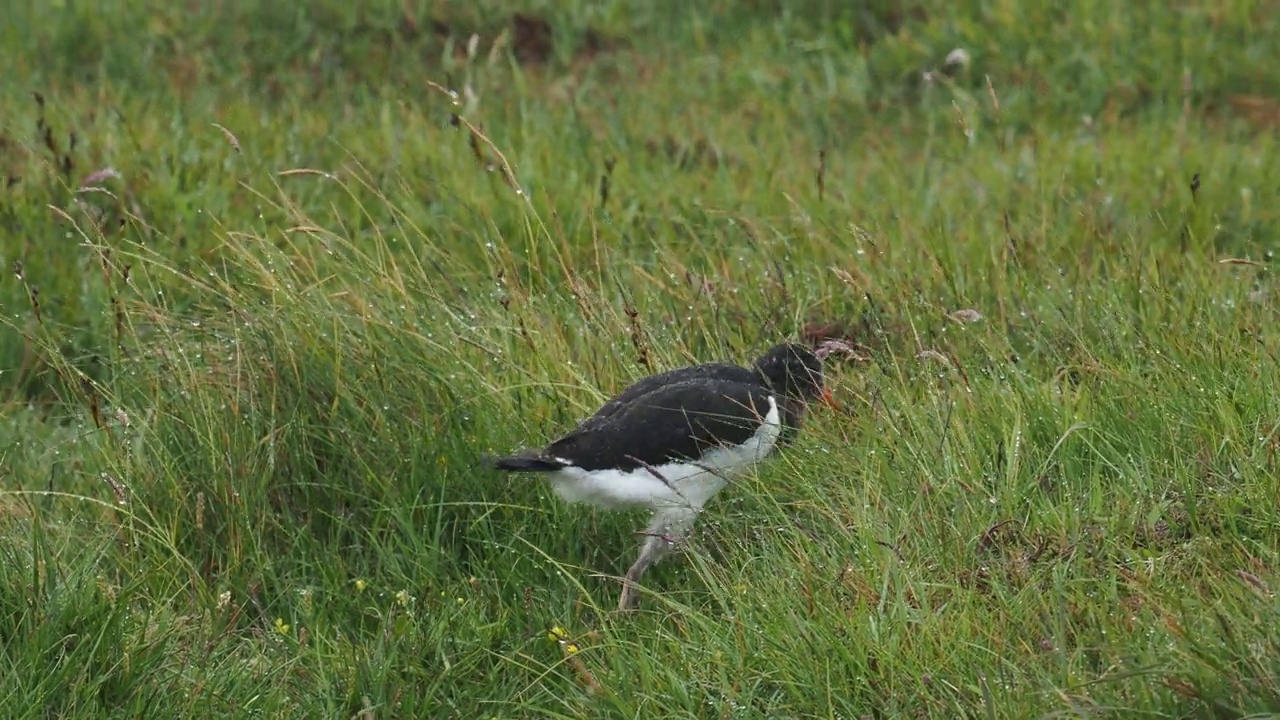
670	442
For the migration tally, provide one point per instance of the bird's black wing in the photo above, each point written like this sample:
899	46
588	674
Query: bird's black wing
672	422
644	386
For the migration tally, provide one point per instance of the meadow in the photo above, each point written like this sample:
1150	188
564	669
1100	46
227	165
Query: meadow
277	276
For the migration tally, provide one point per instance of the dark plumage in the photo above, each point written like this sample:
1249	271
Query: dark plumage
671	441
672	422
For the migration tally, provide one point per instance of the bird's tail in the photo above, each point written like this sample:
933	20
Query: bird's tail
526	462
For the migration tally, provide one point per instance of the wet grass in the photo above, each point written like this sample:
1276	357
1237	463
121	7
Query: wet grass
271	290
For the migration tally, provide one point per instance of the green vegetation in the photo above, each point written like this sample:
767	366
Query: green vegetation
267	299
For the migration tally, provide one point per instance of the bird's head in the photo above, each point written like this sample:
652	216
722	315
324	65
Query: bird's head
795	372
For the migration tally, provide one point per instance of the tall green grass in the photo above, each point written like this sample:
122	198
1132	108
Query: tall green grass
240	453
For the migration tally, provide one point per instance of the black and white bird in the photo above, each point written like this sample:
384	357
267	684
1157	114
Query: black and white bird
671	441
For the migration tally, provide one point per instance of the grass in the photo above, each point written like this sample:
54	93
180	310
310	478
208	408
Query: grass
248	376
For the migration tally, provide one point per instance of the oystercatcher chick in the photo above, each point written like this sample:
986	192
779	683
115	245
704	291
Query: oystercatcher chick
670	442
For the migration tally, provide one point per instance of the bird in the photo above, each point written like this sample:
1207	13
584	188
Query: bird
670	442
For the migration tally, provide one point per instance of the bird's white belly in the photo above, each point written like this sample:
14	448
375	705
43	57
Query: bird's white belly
682	484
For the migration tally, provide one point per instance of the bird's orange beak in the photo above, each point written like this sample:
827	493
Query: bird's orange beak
828	400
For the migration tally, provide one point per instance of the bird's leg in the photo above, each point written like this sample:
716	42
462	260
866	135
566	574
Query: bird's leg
667	527
654	548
